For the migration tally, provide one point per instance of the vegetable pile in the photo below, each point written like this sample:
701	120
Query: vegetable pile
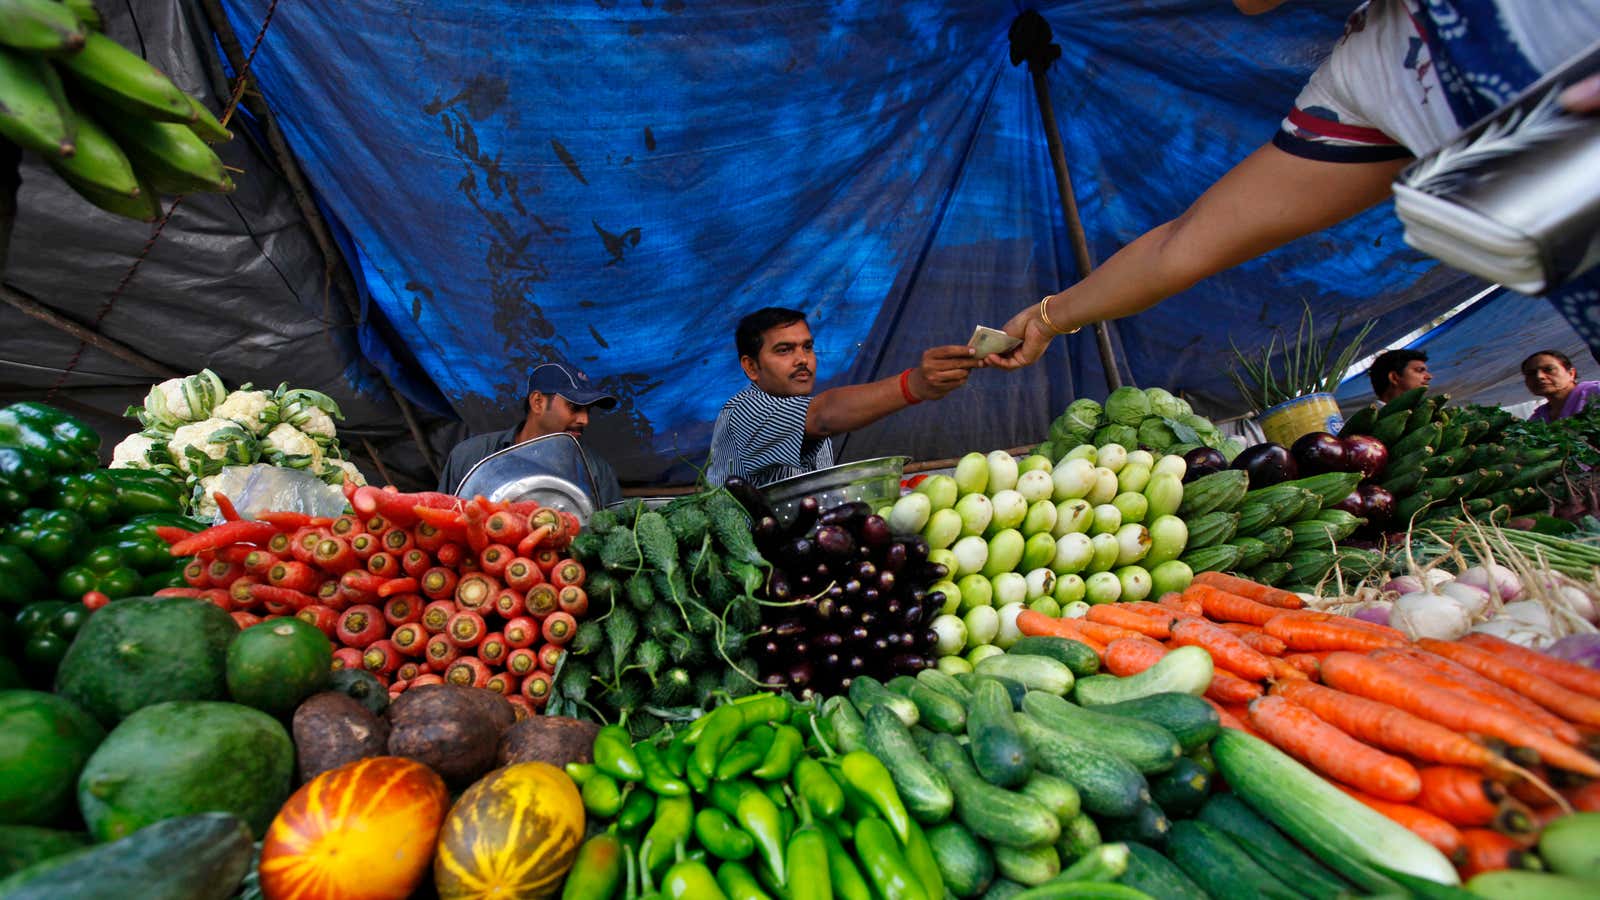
1134	417
416	588
194	427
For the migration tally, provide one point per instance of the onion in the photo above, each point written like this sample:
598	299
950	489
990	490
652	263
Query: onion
1512	630
1529	616
1577	601
1583	649
1428	615
1494	579
1375	611
1476	600
1404	584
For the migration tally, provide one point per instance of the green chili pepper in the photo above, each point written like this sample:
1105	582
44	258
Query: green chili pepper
691	880
717	833
722	728
738	883
891	876
848	882
637	808
674	820
786	815
725	795
867	775
807	860
746	753
601	796
759	817
615	756
787	743
676	758
919	856
657	777
849	729
698	782
580	773
817	788
597	871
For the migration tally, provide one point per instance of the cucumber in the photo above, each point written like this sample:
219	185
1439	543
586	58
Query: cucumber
1003	889
964	861
1404	401
1036	673
849	729
1146	746
1154	874
1079	836
1107	785
1148	825
1056	793
998	750
195	857
1392	427
867	692
995	814
1188	718
1512	885
1219	866
922	787
935	710
947	684
1568	844
1015	689
1186	670
1106	862
1078	657
1033	866
1181	789
1361	421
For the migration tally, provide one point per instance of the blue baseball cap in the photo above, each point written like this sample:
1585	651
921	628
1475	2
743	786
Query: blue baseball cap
566	381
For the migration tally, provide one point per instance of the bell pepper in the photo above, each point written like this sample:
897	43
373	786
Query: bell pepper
23	473
90	494
102	569
141	492
53	537
46	628
66	444
21	580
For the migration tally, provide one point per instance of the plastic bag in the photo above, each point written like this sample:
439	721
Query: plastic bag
261	488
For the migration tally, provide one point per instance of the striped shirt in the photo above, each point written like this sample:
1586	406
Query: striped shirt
762	437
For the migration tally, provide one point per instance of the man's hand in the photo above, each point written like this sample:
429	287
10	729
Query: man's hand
1035	338
943	370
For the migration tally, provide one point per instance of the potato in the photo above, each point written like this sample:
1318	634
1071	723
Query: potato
331	729
493	704
448	728
552	739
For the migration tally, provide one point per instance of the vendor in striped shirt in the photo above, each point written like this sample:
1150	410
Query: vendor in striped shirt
775	429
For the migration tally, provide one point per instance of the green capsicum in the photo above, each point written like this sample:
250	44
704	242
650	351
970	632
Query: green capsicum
869	777
919	856
760	819
47	628
807	859
718	834
21	580
891	876
601	796
657	776
597	871
53	537
615	756
143	492
89	494
689	879
746	753
786	747
101	569
843	873
817	788
739	883
637	808
23	473
674	821
65	444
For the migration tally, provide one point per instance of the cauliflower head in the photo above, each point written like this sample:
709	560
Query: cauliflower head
255	410
133	452
202	448
287	441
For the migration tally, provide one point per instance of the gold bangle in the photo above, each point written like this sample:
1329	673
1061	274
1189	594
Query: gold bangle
1044	314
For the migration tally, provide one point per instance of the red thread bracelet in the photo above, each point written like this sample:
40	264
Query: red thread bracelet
905	388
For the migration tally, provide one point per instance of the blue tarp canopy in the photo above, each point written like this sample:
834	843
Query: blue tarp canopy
615	183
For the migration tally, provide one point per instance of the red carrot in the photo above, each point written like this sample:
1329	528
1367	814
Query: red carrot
197	593
1300	733
1569	705
172	534
284	520
558	628
534	540
241	532
397	586
506	527
267	593
294	575
1226	649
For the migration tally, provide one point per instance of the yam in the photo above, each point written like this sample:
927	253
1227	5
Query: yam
492	704
447	728
556	740
332	729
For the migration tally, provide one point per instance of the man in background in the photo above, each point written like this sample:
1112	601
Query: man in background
1394	372
558	399
775	429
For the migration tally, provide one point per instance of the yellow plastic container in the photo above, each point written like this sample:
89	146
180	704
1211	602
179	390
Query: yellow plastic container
1288	421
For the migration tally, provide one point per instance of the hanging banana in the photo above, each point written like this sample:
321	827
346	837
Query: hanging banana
115	129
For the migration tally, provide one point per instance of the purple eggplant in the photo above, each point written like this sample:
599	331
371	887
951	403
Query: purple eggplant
1267	464
1366	454
1319	452
1377	504
894	558
805	515
874	532
1203	461
847	514
835	542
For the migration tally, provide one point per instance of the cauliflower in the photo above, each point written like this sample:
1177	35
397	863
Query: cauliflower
205	505
202	448
133	452
255	410
179	400
314	422
335	471
284	443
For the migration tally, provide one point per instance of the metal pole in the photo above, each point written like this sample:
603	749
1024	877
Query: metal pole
1030	42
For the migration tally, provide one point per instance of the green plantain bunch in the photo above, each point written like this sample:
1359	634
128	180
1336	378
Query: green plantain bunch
112	126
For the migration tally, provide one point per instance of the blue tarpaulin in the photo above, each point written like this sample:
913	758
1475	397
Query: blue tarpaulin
614	183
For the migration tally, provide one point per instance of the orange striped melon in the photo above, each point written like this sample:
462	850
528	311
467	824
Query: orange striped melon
511	836
363	831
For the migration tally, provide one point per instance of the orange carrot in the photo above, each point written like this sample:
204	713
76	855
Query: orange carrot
1569	705
1255	638
1388	728
1460	796
1586	798
1104	633
1569	675
1223	606
1309	663
1436	831
1227	687
1357	674
1115	615
1301	633
1491	851
1298	732
1251	590
1231	717
1148	608
1130	656
1282	671
1225	649
1441	672
1033	623
1183	604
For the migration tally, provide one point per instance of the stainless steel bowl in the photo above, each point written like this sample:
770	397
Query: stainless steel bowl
876	481
550	470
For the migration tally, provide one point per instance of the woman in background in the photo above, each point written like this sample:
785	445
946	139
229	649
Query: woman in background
1551	375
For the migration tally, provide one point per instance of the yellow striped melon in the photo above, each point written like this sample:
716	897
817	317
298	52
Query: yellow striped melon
511	836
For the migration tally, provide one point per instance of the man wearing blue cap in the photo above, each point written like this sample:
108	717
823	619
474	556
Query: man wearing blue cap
559	398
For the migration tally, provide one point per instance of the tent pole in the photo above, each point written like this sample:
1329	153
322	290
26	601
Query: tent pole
10	181
32	308
1030	41
301	191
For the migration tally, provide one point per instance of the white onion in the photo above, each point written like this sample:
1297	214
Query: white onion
1430	615
1510	629
1476	600
1493	578
1578	601
1529	616
1404	584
